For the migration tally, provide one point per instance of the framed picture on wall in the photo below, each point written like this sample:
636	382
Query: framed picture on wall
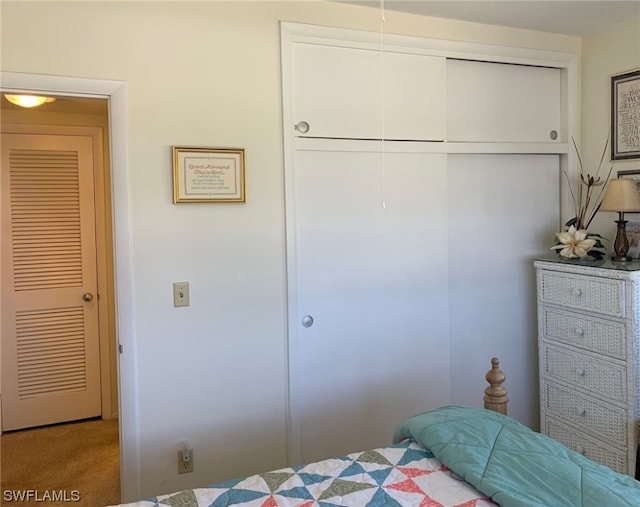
625	115
208	174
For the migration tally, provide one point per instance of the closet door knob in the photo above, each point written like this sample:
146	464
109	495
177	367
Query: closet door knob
307	321
87	296
553	135
302	127
579	331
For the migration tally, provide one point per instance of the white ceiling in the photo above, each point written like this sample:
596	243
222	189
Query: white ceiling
572	17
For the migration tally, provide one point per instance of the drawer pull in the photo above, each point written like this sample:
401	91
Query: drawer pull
582	412
579	331
580	371
576	292
581	450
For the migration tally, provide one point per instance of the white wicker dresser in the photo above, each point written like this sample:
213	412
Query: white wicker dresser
589	348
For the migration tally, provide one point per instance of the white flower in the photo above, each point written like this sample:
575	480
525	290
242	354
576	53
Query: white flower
573	243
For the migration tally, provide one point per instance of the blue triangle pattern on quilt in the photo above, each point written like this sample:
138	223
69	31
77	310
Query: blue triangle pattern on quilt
236	496
297	492
411	455
313	478
382	499
354	469
380	475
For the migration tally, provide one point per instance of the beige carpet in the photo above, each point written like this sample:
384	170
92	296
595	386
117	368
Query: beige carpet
62	462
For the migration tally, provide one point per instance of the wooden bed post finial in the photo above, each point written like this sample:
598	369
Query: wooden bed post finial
495	396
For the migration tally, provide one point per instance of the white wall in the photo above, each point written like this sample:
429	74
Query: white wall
605	54
205	74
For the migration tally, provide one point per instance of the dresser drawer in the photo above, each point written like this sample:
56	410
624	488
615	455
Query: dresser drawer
585	445
589	293
604	421
590	333
586	372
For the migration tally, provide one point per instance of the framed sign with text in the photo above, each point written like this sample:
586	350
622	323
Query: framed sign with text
625	115
208	174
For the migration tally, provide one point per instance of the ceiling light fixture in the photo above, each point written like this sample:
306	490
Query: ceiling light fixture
28	100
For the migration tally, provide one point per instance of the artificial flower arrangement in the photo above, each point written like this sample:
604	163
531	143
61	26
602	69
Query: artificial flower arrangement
576	242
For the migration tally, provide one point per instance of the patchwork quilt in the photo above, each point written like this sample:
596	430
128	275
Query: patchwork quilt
402	475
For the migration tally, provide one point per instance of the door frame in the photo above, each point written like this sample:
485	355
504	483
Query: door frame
116	93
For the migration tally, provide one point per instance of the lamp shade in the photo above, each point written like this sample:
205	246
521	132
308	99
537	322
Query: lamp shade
621	195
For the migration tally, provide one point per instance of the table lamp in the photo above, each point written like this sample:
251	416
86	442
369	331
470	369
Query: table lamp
621	195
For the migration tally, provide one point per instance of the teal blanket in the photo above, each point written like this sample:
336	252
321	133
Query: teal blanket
514	465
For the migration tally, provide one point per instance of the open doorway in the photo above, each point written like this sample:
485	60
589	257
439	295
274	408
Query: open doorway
58	349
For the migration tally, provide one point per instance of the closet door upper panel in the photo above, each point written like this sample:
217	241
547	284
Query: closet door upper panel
414	97
496	102
338	93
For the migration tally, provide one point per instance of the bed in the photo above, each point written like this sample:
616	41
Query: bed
453	456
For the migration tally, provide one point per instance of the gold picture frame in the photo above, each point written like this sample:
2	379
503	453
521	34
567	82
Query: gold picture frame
208	174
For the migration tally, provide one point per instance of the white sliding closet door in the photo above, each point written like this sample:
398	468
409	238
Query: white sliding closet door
373	279
503	211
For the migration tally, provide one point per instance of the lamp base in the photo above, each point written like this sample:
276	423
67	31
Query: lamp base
621	243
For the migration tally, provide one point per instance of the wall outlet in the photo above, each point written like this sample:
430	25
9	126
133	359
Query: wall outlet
185	467
181	294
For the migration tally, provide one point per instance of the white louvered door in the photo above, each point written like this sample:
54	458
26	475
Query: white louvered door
50	340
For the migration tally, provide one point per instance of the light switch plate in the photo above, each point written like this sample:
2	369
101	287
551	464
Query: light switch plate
181	294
